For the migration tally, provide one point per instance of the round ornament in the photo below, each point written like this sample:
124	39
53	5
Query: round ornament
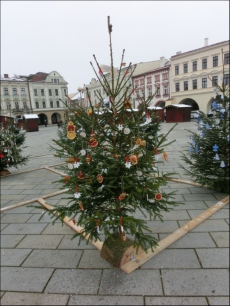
139	173
83	134
126	131
83	152
70	166
150	137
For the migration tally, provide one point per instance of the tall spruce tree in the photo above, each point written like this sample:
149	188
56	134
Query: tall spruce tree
208	154
113	171
11	146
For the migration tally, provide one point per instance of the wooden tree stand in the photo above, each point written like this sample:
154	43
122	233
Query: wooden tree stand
4	172
118	252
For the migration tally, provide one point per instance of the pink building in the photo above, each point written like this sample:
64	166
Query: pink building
154	81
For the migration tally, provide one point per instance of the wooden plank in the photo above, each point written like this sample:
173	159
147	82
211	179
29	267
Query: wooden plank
142	258
32	200
98	244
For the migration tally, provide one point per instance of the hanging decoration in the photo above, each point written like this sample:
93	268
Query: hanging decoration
71	130
215	148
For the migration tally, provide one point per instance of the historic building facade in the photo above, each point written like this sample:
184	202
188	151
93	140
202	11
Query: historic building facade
154	81
194	73
40	93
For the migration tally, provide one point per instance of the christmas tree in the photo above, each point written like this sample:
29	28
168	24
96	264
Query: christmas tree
113	152
11	145
208	155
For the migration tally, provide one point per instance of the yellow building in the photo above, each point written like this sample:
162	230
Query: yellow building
193	74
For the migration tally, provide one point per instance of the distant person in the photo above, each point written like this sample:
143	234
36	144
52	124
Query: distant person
45	123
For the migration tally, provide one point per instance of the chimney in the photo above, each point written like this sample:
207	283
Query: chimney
206	42
162	61
179	52
6	76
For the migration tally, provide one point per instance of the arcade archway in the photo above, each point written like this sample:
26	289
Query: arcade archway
160	104
41	119
191	102
55	118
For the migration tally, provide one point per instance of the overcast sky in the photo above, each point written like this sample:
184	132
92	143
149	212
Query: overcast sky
63	35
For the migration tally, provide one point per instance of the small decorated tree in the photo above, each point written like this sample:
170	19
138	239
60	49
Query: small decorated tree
112	171
208	155
11	145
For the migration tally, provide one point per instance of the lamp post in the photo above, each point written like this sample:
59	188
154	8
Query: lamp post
81	91
10	109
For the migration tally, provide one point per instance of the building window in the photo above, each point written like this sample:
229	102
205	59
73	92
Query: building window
23	91
214	81
136	83
149	80
36	104
176	69
16	105
165	76
35	92
194	66
215	61
186	85
158	93
226	78
157	78
204	82
204	63
51	104
56	92
24	105
42	92
43	104
14	91
165	89
7	105
65	91
143	93
185	68
142	82
177	86
150	91
194	84
6	92
56	80
137	92
58	104
226	58
50	92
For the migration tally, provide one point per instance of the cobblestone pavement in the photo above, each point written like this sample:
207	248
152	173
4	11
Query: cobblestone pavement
41	265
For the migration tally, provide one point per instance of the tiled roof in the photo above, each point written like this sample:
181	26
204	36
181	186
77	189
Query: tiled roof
39	76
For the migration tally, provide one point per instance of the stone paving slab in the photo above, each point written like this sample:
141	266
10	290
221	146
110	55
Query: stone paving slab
15	218
47	218
58	228
199	197
176	301
105	300
19	298
115	282
221	238
214	258
53	259
3	226
10	241
209	226
218	300
74	281
172	259
195	282
10	191
24	279
174	215
162	227
91	259
24	228
68	244
191	241
192	205
220	214
14	257
40	242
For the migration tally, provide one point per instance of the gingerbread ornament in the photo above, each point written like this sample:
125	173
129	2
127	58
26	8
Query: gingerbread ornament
71	130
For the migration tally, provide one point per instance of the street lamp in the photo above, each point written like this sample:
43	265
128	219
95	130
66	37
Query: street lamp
81	91
10	109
